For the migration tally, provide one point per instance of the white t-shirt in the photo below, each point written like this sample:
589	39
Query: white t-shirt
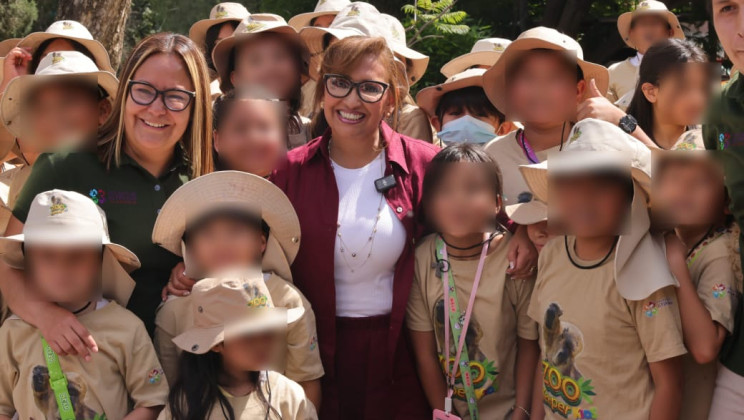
364	286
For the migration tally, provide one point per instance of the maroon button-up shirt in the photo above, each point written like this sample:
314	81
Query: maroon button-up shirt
307	179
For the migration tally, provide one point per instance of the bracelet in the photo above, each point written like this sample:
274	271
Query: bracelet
524	410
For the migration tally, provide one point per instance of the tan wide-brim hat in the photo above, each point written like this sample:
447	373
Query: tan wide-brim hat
248	28
395	35
428	98
323	8
220	13
598	146
69	219
74	31
485	52
230	306
529	213
7	139
56	66
647	8
494	81
233	190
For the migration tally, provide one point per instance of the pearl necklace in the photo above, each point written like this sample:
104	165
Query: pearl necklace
369	244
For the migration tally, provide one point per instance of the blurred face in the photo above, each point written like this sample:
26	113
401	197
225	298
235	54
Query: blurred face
350	117
225	243
589	206
226	29
64	274
539	234
464	202
154	129
647	31
269	62
544	90
681	98
323	21
690	193
728	18
62	115
249	353
251	138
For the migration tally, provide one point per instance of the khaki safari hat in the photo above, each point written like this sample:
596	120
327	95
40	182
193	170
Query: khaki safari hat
646	8
233	190
485	52
65	218
395	35
428	98
220	13
229	306
494	81
249	27
55	66
323	8
6	138
596	145
528	210
74	31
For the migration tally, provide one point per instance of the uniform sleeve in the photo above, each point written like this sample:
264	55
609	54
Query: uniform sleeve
296	400
144	377
303	355
717	290
658	325
415	124
8	375
520	295
417	312
168	353
44	177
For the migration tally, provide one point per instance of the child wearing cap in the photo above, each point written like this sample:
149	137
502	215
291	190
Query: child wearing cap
604	298
533	214
690	196
648	24
227	220
462	196
222	371
70	260
270	54
250	131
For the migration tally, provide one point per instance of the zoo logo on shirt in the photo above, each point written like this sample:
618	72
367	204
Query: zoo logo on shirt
101	196
651	308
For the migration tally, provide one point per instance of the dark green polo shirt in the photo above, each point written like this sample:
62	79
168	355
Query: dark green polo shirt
131	198
724	133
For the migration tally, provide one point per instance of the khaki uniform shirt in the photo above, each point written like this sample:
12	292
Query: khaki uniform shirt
623	79
499	318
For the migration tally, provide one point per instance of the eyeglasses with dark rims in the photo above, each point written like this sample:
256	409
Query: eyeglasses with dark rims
144	93
369	91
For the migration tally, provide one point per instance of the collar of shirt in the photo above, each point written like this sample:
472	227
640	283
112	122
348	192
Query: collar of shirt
636	59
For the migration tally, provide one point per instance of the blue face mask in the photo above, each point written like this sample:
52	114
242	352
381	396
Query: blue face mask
467	130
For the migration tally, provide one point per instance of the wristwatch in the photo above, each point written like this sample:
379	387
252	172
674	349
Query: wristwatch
628	123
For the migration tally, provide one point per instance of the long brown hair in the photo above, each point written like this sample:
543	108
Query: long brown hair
197	140
343	56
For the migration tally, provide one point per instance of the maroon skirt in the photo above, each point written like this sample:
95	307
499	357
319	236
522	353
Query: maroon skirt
363	387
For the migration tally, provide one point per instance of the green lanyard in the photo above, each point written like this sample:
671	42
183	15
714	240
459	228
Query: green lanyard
58	381
459	323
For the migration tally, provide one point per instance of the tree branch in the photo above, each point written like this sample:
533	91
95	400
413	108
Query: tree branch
417	35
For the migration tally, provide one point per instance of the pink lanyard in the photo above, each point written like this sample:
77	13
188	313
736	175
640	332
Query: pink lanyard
450	307
529	152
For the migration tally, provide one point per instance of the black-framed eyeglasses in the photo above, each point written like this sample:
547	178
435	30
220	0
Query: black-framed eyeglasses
340	86
143	93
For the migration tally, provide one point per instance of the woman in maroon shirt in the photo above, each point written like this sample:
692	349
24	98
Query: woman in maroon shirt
331	182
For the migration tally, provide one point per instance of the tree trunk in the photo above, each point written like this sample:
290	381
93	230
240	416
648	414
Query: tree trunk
106	20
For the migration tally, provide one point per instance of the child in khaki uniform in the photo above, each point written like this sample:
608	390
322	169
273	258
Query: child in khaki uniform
501	339
66	250
222	372
229	220
690	195
604	298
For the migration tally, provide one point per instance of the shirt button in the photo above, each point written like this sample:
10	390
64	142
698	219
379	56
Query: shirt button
157	187
399	209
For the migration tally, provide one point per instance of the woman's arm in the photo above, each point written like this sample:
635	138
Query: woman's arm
667	377
522	255
144	413
62	330
427	363
312	392
528	355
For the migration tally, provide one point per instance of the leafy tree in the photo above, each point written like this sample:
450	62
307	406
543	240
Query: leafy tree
17	17
439	15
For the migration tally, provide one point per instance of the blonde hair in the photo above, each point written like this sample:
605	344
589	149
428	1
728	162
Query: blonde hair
197	139
342	57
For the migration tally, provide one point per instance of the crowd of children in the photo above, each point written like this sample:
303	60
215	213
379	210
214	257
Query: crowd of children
260	221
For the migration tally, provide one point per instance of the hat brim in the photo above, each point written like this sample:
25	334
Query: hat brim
8	44
201	340
12	99
527	213
494	80
100	55
625	20
198	31
419	62
305	19
428	98
466	61
312	37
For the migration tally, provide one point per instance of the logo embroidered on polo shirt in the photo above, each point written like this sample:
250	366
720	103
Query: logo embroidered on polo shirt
101	196
154	376
719	291
652	308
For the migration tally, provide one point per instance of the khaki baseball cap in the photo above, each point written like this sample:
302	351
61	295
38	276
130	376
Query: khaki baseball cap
646	8
74	31
220	13
485	52
229	306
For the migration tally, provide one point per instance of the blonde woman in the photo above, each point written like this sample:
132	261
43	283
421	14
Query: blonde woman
158	137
